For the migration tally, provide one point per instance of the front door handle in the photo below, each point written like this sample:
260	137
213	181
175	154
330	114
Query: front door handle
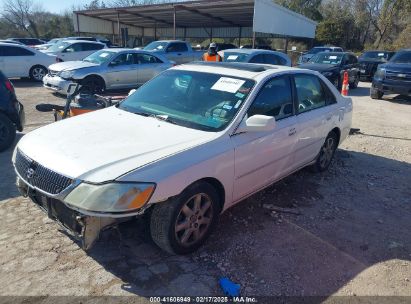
292	132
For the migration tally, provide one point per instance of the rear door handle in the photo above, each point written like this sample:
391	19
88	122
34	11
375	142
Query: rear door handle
292	132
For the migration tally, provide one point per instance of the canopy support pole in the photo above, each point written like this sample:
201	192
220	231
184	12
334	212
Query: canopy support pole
174	23
253	40
120	38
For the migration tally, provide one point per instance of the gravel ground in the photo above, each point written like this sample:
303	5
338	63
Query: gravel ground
351	235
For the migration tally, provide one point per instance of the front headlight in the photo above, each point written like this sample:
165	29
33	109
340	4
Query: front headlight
380	74
66	74
327	74
112	197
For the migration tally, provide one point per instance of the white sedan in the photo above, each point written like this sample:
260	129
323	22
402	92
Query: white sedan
71	50
187	145
22	61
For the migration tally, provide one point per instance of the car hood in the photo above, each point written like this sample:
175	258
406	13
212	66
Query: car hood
106	144
318	67
397	67
71	65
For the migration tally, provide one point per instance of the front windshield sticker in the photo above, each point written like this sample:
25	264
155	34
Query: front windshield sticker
232	57
333	57
239	95
160	47
227	84
104	55
227	107
380	54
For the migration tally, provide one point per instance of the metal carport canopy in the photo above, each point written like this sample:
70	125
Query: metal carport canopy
262	16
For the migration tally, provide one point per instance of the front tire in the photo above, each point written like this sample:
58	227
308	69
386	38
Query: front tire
37	72
7	132
375	93
93	85
326	154
183	223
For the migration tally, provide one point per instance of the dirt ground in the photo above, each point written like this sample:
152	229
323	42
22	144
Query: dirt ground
352	235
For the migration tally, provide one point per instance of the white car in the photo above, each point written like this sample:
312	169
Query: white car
71	50
23	61
187	145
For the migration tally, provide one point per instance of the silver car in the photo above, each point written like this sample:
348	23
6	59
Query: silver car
255	56
107	69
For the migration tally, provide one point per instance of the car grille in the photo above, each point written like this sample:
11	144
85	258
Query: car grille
53	73
398	76
367	66
39	176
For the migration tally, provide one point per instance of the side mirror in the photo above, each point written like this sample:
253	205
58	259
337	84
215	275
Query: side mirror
257	123
113	64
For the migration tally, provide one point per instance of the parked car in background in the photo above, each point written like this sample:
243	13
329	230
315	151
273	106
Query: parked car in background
256	56
28	41
107	69
223	46
11	113
23	61
393	77
333	65
187	145
81	38
258	47
70	50
315	50
175	50
369	61
11	42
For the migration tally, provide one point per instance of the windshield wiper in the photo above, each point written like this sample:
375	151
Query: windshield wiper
163	118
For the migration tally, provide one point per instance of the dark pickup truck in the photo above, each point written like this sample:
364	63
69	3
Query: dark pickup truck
369	61
393	77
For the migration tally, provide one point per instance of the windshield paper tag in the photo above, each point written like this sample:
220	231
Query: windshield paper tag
237	104
104	55
333	57
232	57
226	84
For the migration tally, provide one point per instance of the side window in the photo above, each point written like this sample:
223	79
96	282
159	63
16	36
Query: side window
123	59
310	94
271	59
274	99
16	51
329	96
177	47
75	47
92	46
145	58
258	59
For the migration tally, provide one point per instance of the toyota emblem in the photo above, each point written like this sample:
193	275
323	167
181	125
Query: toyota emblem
30	173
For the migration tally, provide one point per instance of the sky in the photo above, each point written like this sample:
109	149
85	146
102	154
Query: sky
59	6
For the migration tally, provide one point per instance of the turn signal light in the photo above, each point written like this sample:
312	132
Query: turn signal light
9	86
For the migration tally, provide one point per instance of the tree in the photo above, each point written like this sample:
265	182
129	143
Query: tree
308	8
19	13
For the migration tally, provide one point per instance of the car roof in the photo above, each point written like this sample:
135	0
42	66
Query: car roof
81	41
253	51
236	69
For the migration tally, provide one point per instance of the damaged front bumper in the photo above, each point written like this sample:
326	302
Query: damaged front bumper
84	228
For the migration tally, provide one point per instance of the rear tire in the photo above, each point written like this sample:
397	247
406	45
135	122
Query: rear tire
183	223
93	85
37	72
354	85
375	93
7	132
326	154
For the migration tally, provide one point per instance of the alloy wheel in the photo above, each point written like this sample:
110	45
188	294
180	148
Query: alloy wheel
38	73
327	152
194	219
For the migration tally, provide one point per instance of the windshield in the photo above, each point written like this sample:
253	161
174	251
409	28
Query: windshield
195	100
53	41
401	57
326	58
99	57
156	46
380	56
58	46
236	57
318	49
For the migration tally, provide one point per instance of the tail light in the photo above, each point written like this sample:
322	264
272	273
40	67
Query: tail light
9	86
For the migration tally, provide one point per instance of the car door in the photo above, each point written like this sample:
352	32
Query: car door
17	61
71	52
122	71
263	157
178	52
90	48
148	67
317	111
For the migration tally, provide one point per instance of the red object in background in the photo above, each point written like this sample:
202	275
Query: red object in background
9	86
344	89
